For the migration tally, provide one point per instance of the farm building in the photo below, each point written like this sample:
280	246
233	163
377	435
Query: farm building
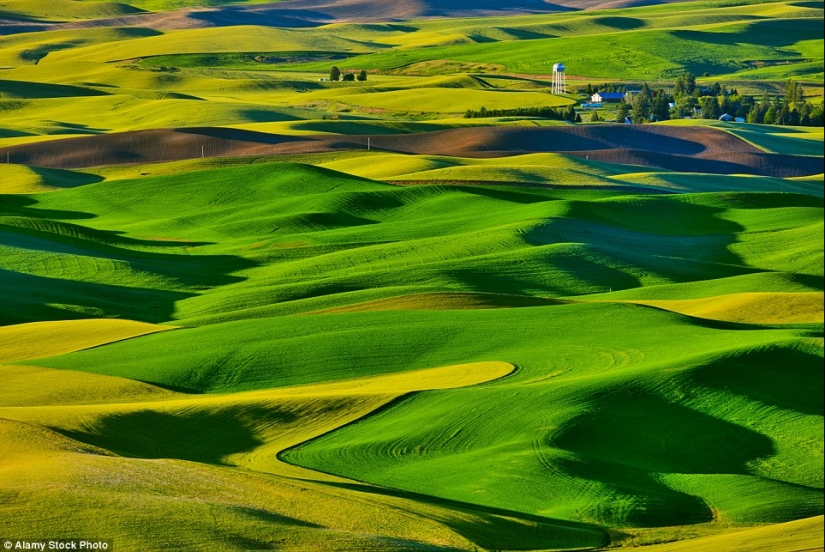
600	97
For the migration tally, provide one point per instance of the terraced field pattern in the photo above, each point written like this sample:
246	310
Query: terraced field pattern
245	307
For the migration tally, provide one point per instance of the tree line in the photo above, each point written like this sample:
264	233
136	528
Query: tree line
561	114
691	100
335	74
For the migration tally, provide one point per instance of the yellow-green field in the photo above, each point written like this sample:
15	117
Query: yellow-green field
524	334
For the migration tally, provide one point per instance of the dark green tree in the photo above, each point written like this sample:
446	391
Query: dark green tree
794	117
710	107
725	105
659	107
783	115
685	85
362	76
745	106
646	91
348	77
817	116
754	116
793	91
679	87
770	116
623	112
641	109
334	73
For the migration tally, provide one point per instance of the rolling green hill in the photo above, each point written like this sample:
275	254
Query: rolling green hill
593	382
368	346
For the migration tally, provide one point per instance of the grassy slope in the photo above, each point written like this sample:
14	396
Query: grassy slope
751	308
291	238
184	479
547	437
218	82
42	339
605	423
525	43
531	169
772	139
640	43
342	240
804	534
307	239
64	10
22	179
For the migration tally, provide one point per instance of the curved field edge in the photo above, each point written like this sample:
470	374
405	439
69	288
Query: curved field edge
601	378
248	430
745	308
548	170
681	148
750	308
804	535
45	339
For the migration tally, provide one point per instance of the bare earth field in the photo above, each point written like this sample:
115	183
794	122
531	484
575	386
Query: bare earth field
683	149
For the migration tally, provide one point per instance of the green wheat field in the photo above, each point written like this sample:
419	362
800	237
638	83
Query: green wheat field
432	306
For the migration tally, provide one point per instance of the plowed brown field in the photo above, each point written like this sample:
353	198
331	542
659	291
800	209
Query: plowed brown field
684	149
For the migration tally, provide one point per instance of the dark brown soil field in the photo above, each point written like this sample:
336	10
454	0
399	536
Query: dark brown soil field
683	149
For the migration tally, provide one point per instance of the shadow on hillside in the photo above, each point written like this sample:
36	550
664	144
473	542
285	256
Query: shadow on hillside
10	133
59	178
775	33
266	116
513	196
28	298
497	528
778	376
620	23
196	435
270	17
662	237
22	206
270	517
189	270
570	269
61	127
169	277
17	28
627	438
768	164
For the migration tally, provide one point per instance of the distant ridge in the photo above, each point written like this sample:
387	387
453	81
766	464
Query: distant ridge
312	13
